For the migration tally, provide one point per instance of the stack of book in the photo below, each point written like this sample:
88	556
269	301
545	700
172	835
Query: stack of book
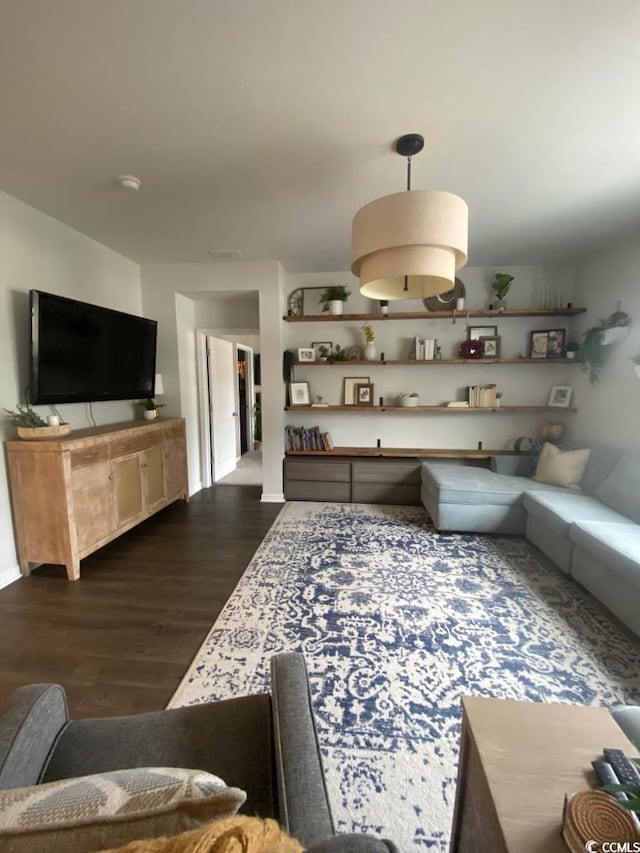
425	349
301	438
482	396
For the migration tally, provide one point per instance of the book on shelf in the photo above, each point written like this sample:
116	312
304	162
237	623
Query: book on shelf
424	349
458	404
482	396
306	438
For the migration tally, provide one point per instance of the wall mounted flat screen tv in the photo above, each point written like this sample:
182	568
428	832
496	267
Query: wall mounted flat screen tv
81	352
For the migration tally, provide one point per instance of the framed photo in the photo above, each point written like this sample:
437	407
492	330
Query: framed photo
491	347
364	394
355	353
547	343
475	332
322	349
560	396
349	388
299	394
306	354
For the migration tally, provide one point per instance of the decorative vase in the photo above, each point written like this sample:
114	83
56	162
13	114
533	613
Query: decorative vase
370	351
150	414
336	306
501	304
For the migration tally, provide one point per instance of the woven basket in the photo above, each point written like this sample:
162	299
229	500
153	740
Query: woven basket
591	816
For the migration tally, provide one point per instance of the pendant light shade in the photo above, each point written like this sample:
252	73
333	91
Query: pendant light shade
408	245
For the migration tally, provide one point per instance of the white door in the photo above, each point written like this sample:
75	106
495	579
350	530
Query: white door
222	401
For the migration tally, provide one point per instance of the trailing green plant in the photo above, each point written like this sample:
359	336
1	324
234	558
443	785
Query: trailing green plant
333	293
593	353
369	334
619	319
635	358
632	803
502	284
23	416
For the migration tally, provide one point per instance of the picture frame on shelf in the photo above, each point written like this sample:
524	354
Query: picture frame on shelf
306	354
477	332
354	353
364	394
299	394
322	349
547	343
492	346
560	396
349	388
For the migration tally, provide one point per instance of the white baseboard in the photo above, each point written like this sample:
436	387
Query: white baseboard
272	499
9	575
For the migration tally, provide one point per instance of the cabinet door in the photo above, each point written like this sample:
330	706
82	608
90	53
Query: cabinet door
175	468
127	479
92	490
153	477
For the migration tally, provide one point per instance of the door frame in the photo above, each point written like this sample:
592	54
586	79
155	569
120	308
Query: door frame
250	394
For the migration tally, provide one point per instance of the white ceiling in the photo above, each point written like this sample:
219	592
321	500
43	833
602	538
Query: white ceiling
263	125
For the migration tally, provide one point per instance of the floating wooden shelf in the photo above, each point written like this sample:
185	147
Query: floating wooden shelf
467	410
437	315
400	452
434	362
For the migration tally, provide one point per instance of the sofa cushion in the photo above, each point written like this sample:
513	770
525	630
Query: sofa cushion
560	510
107	809
561	468
464	484
621	489
602	461
615	545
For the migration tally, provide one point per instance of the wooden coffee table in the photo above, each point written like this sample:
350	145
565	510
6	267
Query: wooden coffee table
517	761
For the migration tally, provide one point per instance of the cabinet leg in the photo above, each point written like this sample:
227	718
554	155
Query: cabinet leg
25	568
73	570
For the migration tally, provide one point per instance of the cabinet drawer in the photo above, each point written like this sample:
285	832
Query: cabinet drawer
314	490
134	443
335	472
89	455
386	493
383	471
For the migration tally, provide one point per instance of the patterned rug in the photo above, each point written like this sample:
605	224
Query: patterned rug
396	624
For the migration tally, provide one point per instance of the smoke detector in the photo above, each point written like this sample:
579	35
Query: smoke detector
130	182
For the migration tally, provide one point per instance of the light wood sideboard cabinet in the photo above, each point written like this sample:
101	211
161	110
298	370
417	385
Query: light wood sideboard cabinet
72	495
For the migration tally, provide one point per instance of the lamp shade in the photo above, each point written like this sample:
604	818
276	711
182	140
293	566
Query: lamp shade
159	385
421	234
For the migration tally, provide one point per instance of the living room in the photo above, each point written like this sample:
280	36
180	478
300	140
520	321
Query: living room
273	158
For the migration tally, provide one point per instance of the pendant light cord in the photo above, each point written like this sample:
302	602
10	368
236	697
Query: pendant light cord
406	278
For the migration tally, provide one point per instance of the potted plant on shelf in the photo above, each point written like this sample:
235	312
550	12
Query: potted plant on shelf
384	306
151	409
572	348
369	336
29	424
501	287
334	297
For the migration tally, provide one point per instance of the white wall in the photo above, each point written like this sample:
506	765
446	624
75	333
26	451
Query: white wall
229	312
168	288
609	412
521	384
42	253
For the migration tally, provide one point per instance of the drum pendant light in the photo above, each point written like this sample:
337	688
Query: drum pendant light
409	245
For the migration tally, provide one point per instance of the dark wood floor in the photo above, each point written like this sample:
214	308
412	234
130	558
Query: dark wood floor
121	638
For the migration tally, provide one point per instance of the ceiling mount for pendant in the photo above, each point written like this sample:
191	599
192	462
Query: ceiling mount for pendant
409	245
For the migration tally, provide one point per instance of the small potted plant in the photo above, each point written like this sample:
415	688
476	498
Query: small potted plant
498	398
151	409
572	348
29	424
636	363
384	306
334	297
501	287
369	336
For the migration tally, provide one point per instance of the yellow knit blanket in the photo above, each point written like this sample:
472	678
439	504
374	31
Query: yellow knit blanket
233	835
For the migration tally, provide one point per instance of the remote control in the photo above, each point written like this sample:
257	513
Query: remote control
606	776
622	767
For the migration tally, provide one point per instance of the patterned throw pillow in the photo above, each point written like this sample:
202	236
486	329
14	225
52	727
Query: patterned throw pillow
111	809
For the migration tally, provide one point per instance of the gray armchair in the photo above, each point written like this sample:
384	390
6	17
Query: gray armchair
264	744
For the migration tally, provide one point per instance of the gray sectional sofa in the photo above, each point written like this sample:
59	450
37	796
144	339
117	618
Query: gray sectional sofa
593	534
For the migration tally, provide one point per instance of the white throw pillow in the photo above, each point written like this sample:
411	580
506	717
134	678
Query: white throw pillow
561	467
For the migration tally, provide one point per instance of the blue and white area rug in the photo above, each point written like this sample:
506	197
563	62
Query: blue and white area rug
396	624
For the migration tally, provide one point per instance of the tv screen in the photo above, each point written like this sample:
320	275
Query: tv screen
81	352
